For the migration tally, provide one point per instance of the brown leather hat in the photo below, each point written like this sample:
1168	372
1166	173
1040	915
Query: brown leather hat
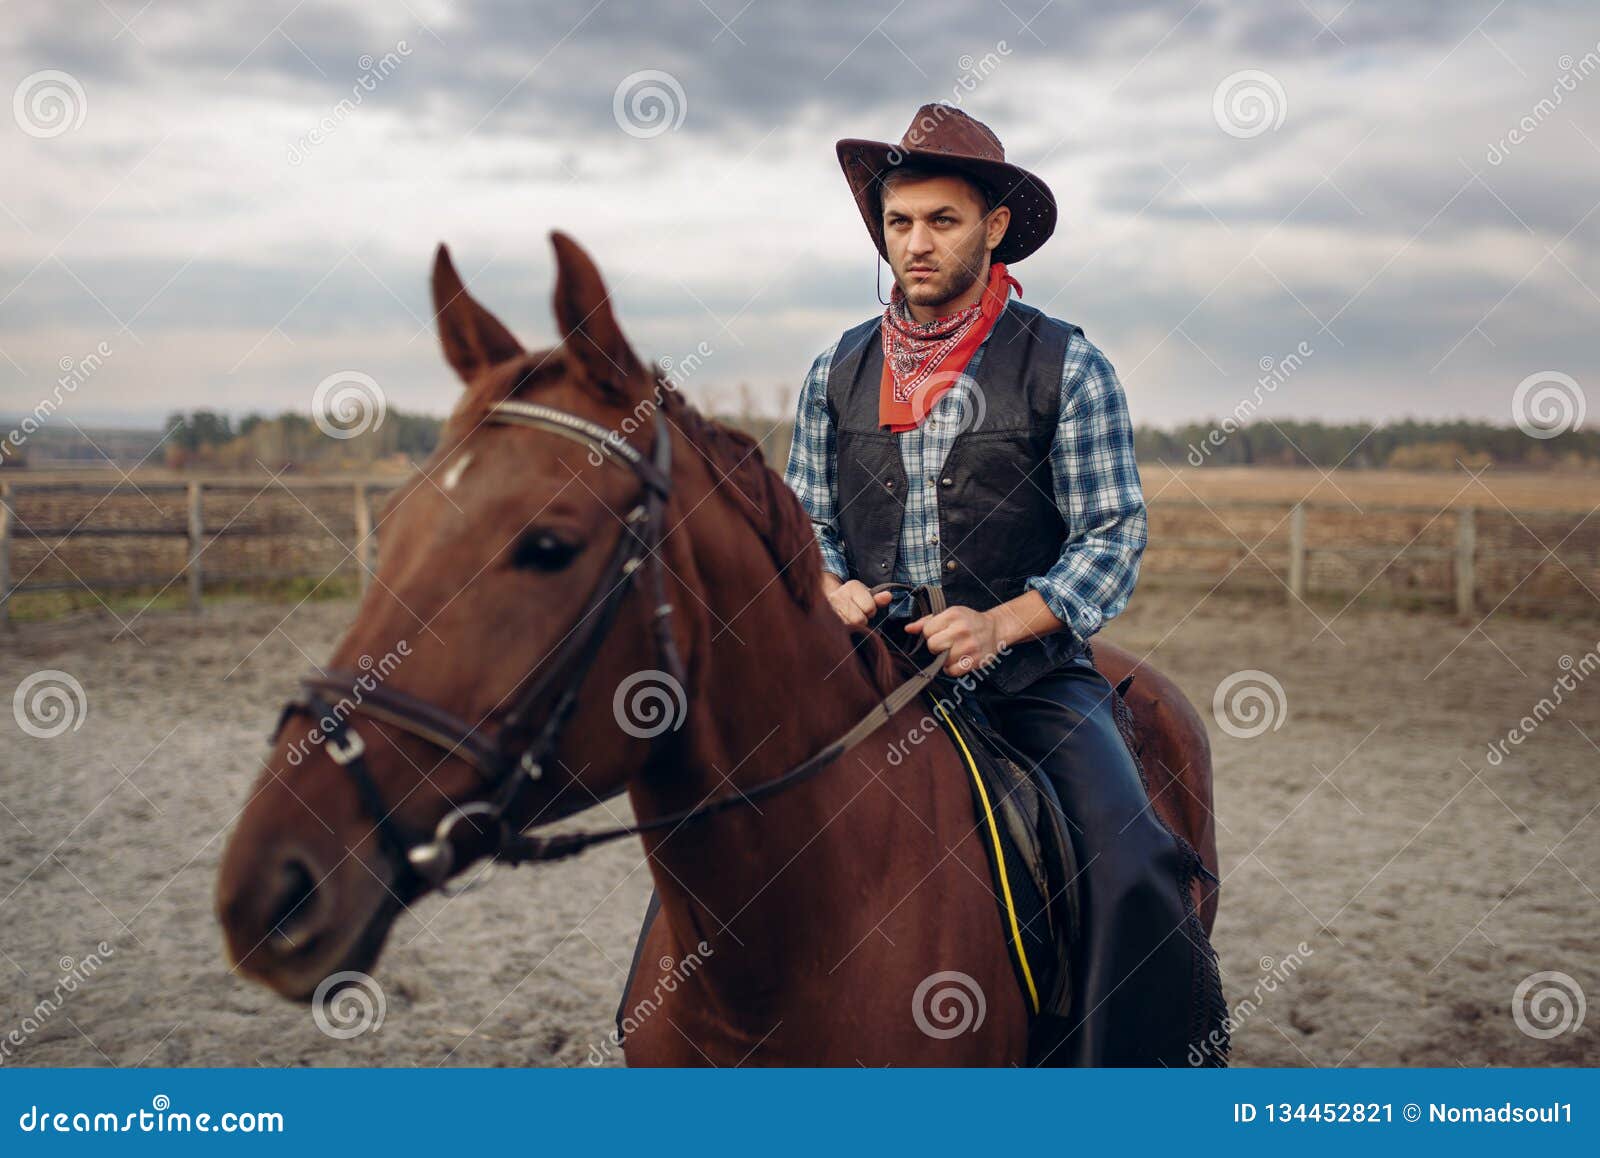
943	136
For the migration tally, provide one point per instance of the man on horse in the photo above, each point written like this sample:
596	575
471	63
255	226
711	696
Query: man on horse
967	441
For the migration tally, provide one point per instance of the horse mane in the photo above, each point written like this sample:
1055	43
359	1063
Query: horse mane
779	519
765	501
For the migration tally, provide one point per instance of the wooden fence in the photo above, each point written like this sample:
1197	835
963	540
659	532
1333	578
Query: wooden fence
45	520
69	536
1471	559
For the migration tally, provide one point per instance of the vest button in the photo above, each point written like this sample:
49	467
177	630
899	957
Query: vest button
889	483
950	565
947	481
883	566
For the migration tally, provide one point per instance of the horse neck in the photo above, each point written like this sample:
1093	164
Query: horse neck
766	880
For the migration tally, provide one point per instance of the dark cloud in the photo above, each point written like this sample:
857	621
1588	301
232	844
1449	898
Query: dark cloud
508	67
516	100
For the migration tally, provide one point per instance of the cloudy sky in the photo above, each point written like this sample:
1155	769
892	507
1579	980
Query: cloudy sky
238	199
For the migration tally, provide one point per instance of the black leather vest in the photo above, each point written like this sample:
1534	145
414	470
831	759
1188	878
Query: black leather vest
998	522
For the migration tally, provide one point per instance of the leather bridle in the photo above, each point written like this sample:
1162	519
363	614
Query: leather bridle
516	758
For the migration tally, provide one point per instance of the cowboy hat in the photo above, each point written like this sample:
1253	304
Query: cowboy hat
944	137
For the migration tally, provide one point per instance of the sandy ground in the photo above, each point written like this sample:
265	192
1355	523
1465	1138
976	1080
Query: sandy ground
1424	883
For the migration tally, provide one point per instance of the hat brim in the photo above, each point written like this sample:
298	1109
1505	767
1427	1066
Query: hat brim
1032	205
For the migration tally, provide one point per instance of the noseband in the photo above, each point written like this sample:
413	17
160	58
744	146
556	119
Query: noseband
516	758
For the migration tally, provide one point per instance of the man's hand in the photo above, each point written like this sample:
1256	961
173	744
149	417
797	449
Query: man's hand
968	638
853	600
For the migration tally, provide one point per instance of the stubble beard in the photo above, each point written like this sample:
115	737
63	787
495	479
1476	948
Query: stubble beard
957	275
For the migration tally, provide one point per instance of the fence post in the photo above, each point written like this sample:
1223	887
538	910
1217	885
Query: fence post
363	536
1297	554
1466	556
197	527
5	554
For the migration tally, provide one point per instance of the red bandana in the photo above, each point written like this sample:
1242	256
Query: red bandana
922	359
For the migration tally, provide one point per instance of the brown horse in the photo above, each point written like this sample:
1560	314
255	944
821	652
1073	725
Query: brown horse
800	927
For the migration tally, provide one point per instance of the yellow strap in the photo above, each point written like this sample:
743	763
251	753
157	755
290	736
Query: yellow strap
999	855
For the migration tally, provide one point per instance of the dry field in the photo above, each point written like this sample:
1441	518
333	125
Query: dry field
1388	889
1520	490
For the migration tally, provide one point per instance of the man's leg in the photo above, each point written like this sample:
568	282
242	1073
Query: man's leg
1132	989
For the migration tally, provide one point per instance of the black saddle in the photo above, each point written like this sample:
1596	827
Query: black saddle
1033	867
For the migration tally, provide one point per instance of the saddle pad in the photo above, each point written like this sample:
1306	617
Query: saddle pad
1030	854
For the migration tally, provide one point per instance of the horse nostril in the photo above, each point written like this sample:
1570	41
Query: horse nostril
291	921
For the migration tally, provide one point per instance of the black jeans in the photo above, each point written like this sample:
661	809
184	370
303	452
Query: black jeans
1133	983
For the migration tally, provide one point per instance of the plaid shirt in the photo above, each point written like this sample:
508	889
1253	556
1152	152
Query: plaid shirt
1097	488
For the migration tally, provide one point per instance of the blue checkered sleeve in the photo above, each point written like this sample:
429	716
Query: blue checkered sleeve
812	472
1098	492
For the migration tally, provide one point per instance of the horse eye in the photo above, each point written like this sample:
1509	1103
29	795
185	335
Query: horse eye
538	549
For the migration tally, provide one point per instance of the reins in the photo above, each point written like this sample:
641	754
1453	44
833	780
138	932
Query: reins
525	847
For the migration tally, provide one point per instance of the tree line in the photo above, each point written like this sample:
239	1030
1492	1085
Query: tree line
1365	445
205	438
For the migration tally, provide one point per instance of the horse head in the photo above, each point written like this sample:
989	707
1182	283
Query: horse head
492	557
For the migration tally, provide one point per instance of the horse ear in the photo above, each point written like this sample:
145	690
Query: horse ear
472	337
588	327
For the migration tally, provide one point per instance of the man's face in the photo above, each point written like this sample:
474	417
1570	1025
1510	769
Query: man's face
938	237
